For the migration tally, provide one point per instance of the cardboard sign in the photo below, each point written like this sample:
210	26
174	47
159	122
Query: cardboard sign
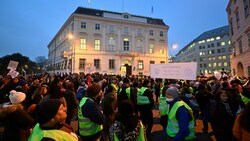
185	71
12	65
13	73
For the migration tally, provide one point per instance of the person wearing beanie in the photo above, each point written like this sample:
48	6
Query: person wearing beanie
90	115
145	104
181	123
50	117
17	122
127	126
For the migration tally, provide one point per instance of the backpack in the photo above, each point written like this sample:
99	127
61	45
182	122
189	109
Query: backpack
122	95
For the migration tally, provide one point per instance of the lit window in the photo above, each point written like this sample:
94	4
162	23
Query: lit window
125	44
151	48
218	38
97	44
209	65
83	44
203	41
219	64
214	64
219	57
140	64
212	39
208	40
223	43
224	57
225	64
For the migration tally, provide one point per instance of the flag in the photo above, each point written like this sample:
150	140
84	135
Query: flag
152	10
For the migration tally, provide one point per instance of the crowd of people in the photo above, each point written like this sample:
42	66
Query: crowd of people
120	108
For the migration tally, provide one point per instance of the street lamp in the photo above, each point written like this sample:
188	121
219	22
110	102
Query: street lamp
71	37
173	46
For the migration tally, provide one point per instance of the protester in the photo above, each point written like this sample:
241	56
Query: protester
181	122
90	116
51	116
127	126
145	104
17	122
241	129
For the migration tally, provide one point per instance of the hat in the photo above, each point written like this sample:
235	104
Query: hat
126	108
46	110
173	91
16	97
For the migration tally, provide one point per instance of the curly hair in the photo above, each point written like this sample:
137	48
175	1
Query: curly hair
244	118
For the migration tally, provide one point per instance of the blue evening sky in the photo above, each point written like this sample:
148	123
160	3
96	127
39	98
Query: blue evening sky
27	26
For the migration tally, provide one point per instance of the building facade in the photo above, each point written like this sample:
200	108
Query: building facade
238	12
211	51
108	42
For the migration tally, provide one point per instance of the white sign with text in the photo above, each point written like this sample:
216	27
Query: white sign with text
185	71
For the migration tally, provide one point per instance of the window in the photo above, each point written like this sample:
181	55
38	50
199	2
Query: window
125	44
219	50
218	43
162	49
214	64
151	48
211	52
223	43
219	64
83	44
200	65
237	19
225	64
97	26
240	46
151	62
205	65
246	7
125	16
97	44
111	43
111	64
162	62
218	38
212	45
125	29
139	31
161	33
111	29
248	39
209	65
231	27
223	50
82	63
224	57
97	63
140	65
151	32
139	45
83	24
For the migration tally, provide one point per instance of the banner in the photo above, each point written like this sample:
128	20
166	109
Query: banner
185	71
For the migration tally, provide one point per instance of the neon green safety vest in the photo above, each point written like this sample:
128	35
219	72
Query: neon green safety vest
163	106
37	134
141	137
115	87
141	99
173	127
244	99
127	91
86	126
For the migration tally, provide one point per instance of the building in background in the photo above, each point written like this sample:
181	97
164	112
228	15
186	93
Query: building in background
211	51
108	42
238	12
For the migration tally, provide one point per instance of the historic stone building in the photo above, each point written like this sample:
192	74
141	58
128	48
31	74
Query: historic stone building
101	41
238	12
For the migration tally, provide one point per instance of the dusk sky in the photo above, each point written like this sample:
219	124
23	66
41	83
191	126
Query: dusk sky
27	26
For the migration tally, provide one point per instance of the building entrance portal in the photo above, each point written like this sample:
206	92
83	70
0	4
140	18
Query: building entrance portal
240	70
126	68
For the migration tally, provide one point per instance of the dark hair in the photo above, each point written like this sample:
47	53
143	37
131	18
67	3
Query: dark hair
244	118
93	90
220	92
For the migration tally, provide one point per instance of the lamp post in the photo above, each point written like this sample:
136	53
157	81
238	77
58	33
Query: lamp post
71	37
173	46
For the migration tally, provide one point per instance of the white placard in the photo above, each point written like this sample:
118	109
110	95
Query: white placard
12	65
13	73
185	71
